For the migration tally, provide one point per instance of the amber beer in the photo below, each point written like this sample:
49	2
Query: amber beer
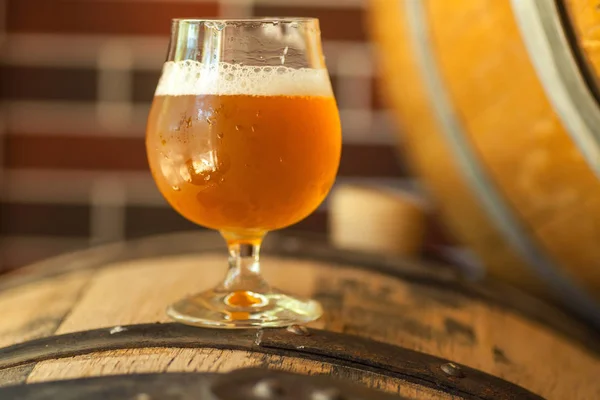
257	150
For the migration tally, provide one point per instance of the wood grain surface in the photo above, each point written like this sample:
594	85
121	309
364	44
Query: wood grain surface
518	141
416	315
516	132
428	151
584	17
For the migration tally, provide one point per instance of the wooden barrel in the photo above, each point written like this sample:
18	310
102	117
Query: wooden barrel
498	101
407	328
249	383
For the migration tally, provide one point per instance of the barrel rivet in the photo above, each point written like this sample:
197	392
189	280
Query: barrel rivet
267	389
298	330
327	394
452	370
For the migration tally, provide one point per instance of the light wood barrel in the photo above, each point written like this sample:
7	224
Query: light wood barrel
498	101
411	329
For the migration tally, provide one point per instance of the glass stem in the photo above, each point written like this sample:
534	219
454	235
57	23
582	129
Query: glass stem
244	269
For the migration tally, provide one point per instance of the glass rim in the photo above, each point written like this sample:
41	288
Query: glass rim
264	20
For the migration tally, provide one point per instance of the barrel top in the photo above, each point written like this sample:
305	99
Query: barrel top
102	311
311	247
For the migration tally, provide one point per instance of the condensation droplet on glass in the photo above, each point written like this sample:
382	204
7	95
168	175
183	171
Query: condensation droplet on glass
252	128
209	121
280	159
282	57
176	188
246	165
258	114
222	179
207	177
238	128
220	135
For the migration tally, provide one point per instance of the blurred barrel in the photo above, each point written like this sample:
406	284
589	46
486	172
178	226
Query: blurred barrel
498	105
410	329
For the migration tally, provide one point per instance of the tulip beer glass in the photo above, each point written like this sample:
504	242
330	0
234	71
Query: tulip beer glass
244	137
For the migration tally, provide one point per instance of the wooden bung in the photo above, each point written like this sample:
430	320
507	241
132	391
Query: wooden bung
377	219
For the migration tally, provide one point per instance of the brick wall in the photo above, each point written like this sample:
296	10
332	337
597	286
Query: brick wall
77	80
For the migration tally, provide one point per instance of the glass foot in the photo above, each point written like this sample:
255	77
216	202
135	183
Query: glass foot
244	309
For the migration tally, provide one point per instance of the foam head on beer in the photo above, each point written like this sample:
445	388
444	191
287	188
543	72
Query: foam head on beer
194	78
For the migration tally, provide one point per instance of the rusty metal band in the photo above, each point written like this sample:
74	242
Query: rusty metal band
551	54
318	345
480	183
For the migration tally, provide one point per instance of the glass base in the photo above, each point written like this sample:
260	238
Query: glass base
244	309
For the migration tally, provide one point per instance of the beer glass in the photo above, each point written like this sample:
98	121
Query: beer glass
244	137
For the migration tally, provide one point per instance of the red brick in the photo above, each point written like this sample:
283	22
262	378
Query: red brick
81	153
63	220
113	17
43	83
